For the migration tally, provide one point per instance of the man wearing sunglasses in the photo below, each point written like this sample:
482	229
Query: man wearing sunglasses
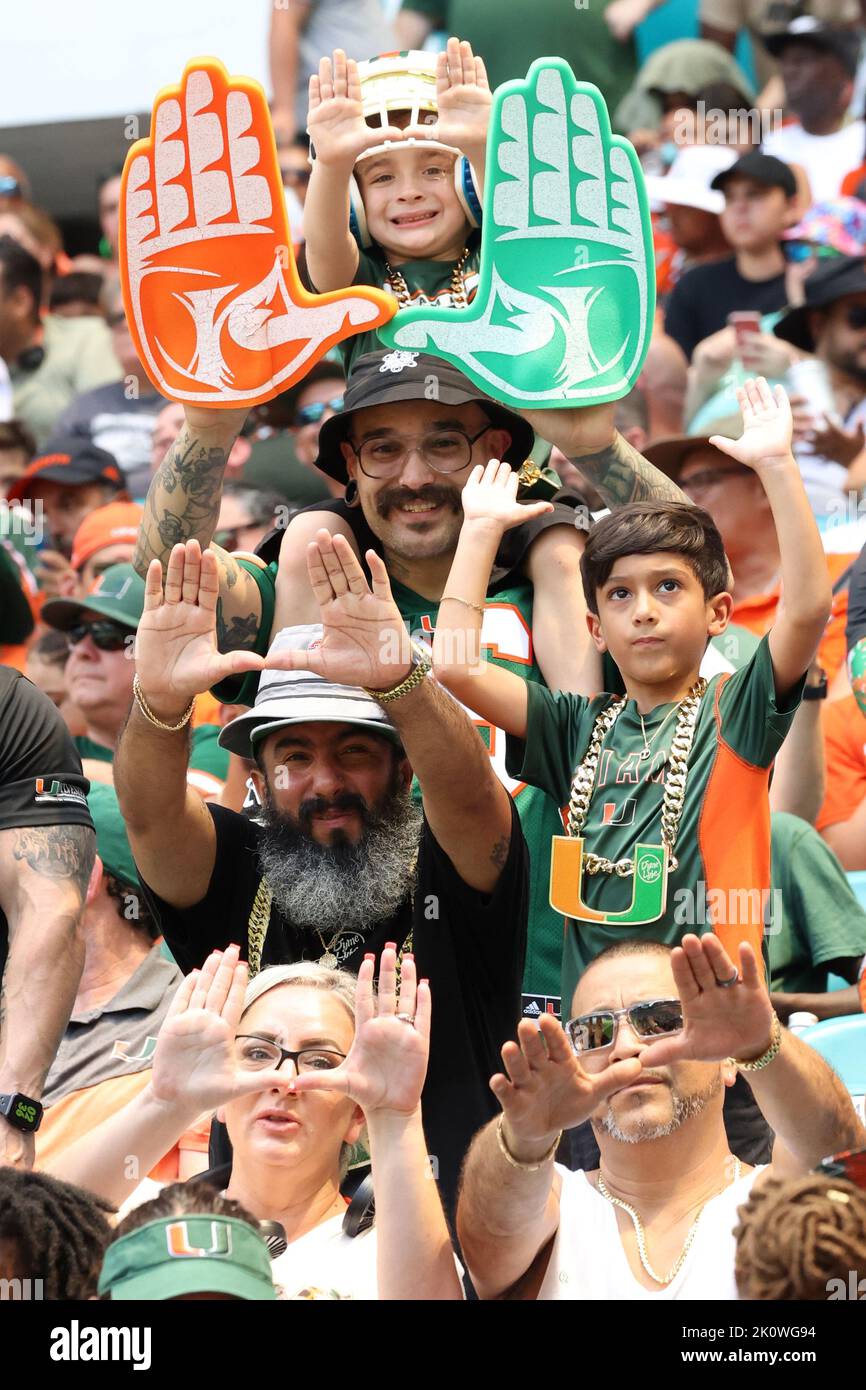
99	673
655	1038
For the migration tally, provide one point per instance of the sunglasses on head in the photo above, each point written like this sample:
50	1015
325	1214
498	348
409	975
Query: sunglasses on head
312	414
653	1019
798	251
105	635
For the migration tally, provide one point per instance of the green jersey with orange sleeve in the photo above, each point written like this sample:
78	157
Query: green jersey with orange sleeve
721	881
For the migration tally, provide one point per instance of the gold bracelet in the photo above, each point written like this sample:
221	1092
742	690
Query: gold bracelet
455	598
767	1057
149	714
419	670
515	1162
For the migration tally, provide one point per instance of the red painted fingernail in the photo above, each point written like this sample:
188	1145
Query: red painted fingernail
390	945
408	955
425	981
370	956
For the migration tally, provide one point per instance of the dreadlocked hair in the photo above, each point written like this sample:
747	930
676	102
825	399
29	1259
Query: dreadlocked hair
796	1235
52	1231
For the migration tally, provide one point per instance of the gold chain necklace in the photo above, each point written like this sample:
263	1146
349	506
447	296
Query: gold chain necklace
647	746
403	295
640	1234
675	781
328	959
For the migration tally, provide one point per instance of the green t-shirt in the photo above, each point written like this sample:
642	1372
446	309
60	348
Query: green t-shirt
815	915
205	755
429	282
511	36
723	843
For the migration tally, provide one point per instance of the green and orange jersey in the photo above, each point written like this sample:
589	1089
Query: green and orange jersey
722	879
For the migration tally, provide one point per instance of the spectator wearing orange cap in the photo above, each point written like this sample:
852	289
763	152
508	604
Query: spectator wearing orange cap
106	537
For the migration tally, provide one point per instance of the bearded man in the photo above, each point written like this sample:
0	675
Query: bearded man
341	863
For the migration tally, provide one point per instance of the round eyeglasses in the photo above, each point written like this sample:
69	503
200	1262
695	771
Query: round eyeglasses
444	451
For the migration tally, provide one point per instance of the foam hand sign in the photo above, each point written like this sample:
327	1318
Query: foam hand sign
215	307
566	295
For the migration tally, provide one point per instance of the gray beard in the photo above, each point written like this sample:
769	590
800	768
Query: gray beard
685	1107
329	887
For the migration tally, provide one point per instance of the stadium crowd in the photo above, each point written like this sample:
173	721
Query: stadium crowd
432	833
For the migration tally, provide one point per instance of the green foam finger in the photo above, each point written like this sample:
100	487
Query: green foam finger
566	295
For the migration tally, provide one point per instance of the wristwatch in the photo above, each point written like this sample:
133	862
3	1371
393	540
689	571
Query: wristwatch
819	691
21	1112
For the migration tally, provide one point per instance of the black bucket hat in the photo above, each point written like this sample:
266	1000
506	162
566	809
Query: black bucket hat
834	279
391	376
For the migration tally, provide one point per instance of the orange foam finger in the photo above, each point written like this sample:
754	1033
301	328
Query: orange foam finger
215	306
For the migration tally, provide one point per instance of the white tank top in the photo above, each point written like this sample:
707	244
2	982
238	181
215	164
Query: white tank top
588	1260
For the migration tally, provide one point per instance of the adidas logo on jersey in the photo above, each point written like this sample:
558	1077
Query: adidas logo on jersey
532	1010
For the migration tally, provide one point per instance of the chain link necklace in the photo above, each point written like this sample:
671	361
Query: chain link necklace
640	1233
675	780
403	295
647	744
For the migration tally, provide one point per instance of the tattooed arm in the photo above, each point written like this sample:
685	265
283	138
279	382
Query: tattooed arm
467	807
588	437
183	503
44	874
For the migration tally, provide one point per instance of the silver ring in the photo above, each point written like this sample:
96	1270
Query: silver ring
726	984
406	1018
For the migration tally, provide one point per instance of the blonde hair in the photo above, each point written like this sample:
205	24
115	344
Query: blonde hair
339	982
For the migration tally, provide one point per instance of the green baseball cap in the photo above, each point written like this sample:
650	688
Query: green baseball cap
180	1255
117	594
112	844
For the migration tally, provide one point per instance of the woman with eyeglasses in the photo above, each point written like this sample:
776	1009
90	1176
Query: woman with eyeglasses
298	1062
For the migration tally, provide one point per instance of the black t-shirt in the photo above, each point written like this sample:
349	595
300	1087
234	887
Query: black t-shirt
41	782
469	945
700	302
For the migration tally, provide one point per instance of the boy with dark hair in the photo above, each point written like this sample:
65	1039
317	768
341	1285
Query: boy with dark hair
668	817
760	195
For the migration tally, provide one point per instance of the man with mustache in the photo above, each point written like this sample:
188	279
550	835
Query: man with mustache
403	500
342	863
656	1036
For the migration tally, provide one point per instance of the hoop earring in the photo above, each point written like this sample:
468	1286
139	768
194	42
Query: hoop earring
351	494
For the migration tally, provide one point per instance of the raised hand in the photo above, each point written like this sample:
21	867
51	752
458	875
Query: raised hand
335	120
387	1063
215	307
194	1062
545	1089
463	102
564	308
718	1021
767	427
176	654
490	495
365	641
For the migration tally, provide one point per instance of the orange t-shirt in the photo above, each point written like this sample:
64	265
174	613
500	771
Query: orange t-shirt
845	760
78	1113
758	614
